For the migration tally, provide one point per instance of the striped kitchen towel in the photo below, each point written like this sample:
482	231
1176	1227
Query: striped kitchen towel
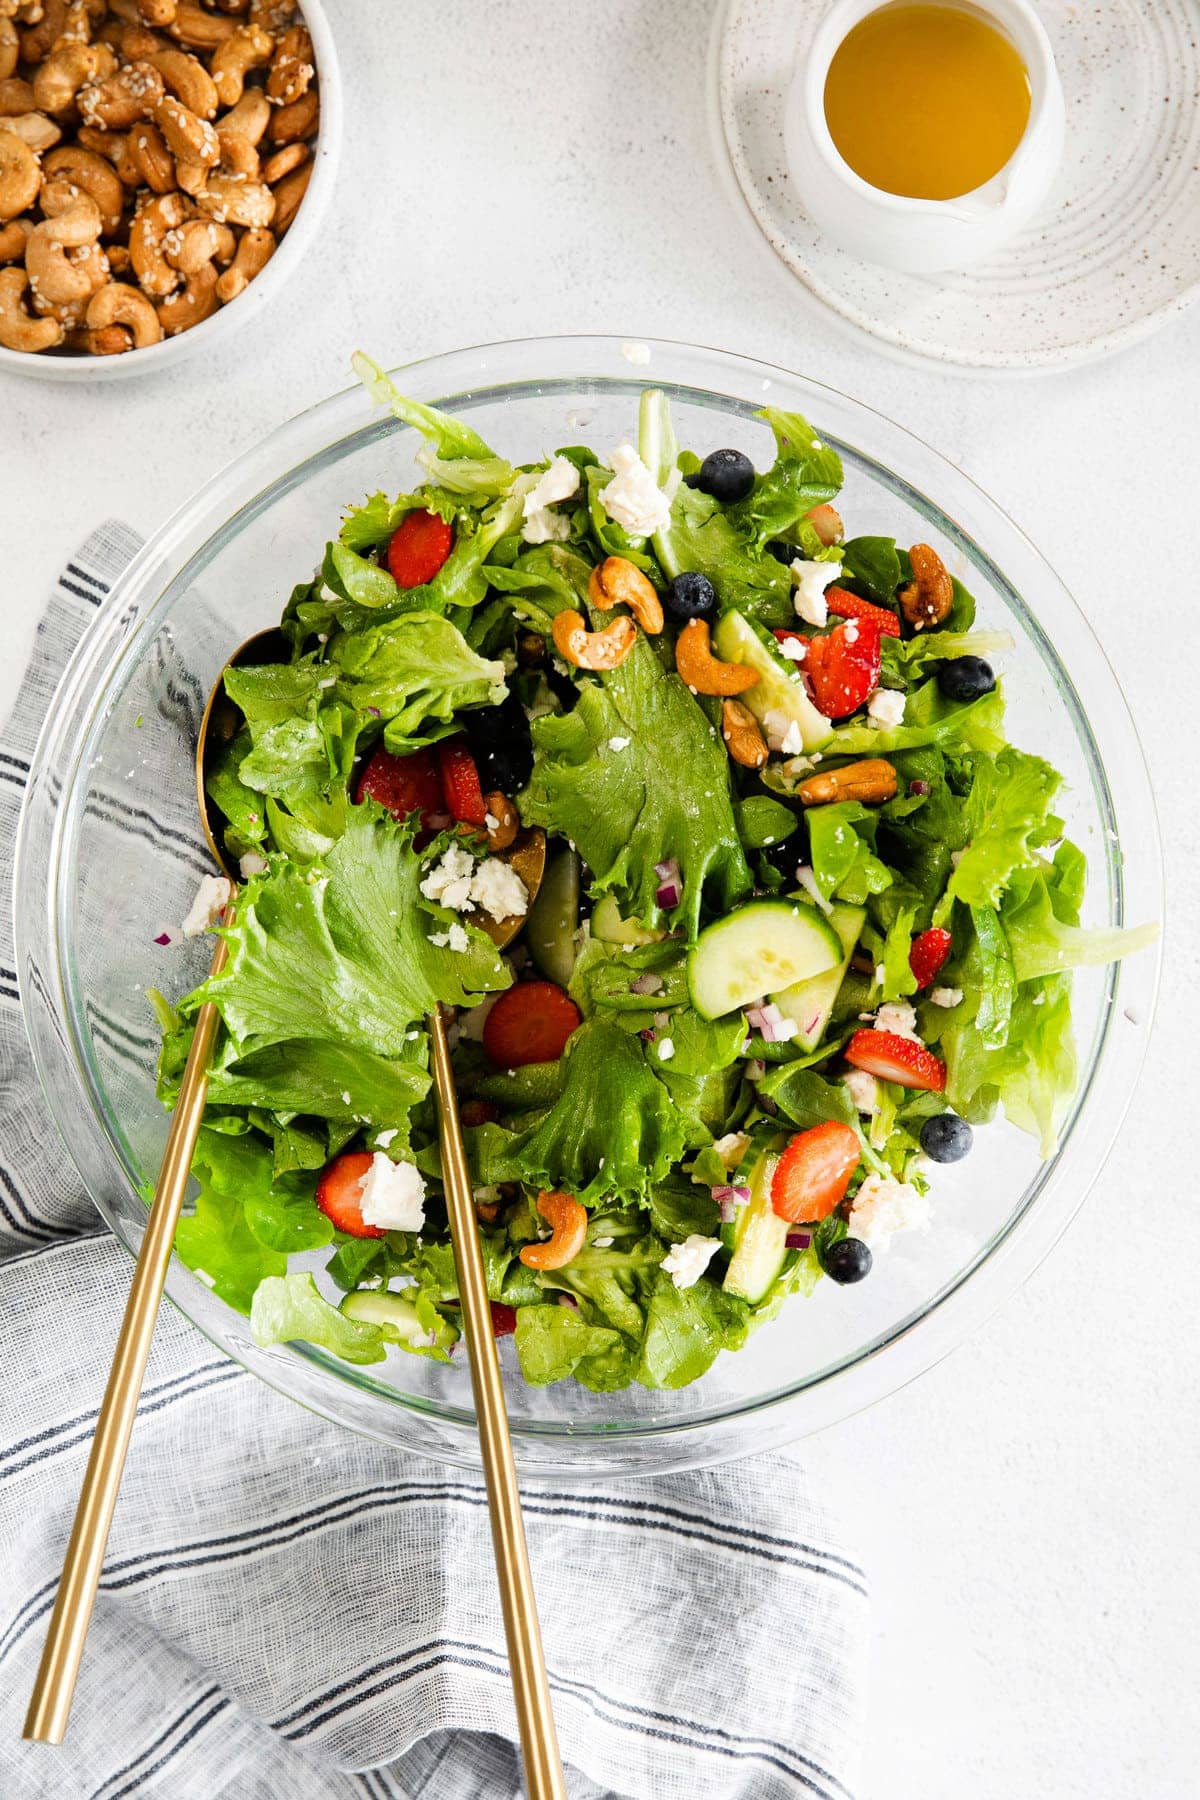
287	1609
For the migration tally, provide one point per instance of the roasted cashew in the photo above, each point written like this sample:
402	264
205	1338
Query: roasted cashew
700	669
10	49
196	242
501	809
569	1221
109	144
249	118
743	735
299	120
248	48
255	249
166	212
198	29
40	39
16	97
20	175
77	24
586	649
65	71
196	302
12	240
291	67
58	274
232	201
34	129
282	162
156	12
18	331
118	303
189	81
124	98
189	138
826	521
872	781
108	340
238	155
926	600
95	176
272	15
289	193
119	260
618	582
150	157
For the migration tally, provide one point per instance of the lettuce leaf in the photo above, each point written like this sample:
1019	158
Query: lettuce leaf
1040	914
841	845
449	436
215	1240
929	718
287	1308
1005	814
664	796
332	1080
686	1329
553	1340
806	473
416	671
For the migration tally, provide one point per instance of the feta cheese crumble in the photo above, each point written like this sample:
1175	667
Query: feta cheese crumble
811	579
666	1049
863	1090
558	482
793	649
212	897
252	864
732	1147
392	1195
449	881
885	708
633	498
460	883
498	890
384	1138
884	1206
945	996
897	1016
619	743
453	938
685	1263
783	734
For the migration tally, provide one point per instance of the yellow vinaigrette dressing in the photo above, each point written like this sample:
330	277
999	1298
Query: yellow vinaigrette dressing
924	100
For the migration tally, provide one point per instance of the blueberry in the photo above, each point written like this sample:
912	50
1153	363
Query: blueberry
691	596
965	677
848	1260
946	1137
788	853
501	744
727	475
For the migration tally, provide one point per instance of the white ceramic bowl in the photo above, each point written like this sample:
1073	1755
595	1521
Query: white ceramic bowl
923	236
78	366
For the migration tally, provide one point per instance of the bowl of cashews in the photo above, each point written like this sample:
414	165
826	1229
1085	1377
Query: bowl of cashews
164	165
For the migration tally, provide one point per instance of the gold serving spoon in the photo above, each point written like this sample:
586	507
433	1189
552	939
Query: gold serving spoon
54	1686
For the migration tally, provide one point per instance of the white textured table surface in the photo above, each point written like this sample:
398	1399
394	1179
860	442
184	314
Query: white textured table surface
1028	1509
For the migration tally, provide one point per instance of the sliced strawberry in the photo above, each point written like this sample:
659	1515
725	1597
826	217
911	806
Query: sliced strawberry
849	606
419	546
826	521
895	1058
478	1112
461	787
404	784
812	1175
339	1194
529	1024
504	1319
843	667
927	952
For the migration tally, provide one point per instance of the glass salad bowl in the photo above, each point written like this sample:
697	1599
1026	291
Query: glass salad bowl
111	852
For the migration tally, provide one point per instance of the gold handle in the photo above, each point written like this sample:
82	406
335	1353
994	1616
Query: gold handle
531	1690
50	1704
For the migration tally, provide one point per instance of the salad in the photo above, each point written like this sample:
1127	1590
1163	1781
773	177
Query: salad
805	917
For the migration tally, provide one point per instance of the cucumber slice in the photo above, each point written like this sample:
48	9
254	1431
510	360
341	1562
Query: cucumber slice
810	1002
611	928
756	951
553	918
760	1240
396	1315
780	686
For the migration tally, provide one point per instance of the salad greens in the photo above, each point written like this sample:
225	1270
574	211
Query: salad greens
424	688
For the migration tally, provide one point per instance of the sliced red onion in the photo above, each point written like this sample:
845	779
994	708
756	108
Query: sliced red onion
741	1194
164	937
646	984
918	787
755	1069
667	871
724	1199
754	1018
374	712
647	1036
667	896
569	1300
798	1240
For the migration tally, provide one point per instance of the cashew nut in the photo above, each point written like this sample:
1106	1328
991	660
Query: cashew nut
119	304
16	97
586	649
10	48
56	276
501	809
871	781
150	226
289	193
299	120
291	66
40	39
122	99
700	669
20	175
249	117
34	129
109	144
618	582
18	331
119	260
12	240
198	29
926	600
188	79
196	242
109	340
65	71
743	737
232	201
282	162
77	25
569	1222
272	15
190	139
196	302
255	249
249	47
149	155
95	176
238	155
826	521
156	12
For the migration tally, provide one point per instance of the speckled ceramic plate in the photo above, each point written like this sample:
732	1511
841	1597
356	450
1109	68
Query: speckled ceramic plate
1117	252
